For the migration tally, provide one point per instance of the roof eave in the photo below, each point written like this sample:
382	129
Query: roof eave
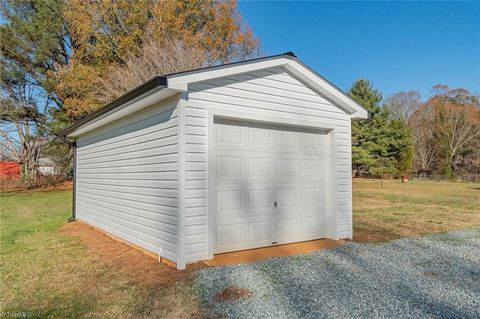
154	83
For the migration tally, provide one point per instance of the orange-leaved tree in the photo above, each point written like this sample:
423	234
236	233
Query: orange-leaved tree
117	45
455	115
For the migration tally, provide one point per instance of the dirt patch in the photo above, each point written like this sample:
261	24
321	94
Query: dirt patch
18	187
430	274
133	263
233	293
156	289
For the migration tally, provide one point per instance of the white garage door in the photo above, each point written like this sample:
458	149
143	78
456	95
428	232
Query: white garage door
270	185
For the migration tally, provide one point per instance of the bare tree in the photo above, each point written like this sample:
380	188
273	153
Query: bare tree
155	59
403	104
21	126
425	156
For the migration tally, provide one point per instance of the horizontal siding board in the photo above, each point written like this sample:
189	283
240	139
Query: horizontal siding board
137	197
159	227
196	121
196	112
127	189
195	175
196	139
139	118
142	160
153	150
153	174
196	193
165	129
131	168
127	179
195	130
196	202
160	136
164	209
195	248
196	220
197	211
151	183
194	184
196	166
159	141
195	239
196	157
168	219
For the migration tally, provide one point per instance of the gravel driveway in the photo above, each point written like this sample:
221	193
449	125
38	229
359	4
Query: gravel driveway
437	276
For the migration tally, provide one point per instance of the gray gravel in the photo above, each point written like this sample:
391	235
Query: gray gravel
436	276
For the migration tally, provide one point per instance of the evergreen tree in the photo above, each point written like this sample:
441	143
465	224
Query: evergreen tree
380	145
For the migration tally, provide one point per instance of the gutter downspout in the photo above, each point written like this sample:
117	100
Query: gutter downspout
74	179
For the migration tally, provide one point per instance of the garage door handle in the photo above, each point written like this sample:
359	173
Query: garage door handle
275	204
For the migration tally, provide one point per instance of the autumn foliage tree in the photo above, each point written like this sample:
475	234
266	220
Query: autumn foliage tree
131	41
77	55
445	130
455	115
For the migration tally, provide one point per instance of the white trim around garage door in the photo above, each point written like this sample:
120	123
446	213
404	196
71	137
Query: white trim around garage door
214	113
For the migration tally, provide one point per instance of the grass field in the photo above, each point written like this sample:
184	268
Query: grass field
53	269
411	209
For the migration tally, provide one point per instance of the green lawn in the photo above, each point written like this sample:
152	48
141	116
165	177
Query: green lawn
49	270
411	209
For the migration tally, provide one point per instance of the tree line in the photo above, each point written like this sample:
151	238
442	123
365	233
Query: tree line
405	134
63	59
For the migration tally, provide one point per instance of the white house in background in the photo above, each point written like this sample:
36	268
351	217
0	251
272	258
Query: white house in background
225	158
46	166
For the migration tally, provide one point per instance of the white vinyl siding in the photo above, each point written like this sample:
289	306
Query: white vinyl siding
127	178
271	92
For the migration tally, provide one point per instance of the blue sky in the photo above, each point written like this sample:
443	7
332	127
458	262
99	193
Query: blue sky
398	46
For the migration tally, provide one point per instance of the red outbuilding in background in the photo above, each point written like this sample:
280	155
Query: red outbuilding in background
9	170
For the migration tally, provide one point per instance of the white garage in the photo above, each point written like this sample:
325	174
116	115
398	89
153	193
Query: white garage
226	158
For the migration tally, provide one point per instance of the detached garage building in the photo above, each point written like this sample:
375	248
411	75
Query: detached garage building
231	157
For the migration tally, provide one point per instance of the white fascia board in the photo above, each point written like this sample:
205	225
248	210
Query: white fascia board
290	64
143	101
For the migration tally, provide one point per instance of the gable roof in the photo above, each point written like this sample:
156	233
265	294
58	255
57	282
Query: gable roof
174	83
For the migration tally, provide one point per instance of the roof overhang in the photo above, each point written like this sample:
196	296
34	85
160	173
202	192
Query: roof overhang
163	87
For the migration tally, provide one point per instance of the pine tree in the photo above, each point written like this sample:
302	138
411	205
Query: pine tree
380	145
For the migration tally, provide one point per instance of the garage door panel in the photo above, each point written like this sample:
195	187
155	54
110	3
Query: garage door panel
259	136
313	168
229	166
287	197
228	134
287	139
260	199
312	196
229	201
311	226
260	232
287	167
260	167
229	235
287	229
